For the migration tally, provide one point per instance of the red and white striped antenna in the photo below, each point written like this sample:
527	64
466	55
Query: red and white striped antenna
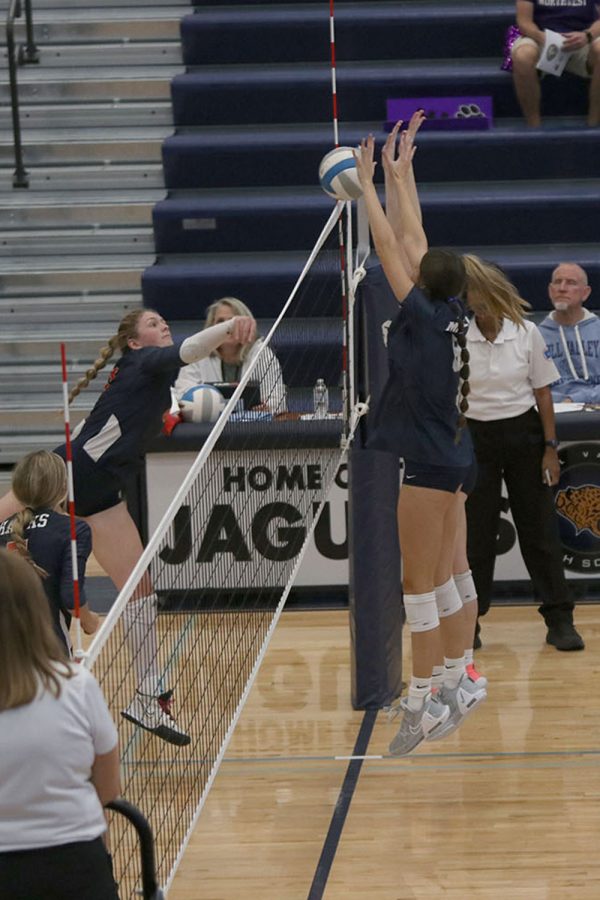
336	138
78	654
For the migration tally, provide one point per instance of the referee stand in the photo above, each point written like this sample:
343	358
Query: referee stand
150	888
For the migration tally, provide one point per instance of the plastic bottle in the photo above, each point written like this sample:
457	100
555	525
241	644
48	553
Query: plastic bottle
320	399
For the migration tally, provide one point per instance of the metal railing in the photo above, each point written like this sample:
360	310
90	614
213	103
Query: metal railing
27	53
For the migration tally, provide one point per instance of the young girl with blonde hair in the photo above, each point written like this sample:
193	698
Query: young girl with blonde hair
108	451
41	534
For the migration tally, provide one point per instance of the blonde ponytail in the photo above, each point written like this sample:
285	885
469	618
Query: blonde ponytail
119	341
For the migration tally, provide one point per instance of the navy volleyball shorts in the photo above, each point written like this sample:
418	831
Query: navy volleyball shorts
440	478
94	489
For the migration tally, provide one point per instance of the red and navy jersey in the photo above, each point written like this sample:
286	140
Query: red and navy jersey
417	415
128	413
48	538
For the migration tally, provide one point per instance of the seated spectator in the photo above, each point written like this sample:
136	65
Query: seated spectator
59	758
572	335
231	360
578	21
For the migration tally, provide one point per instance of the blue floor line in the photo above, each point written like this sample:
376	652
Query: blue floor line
341	808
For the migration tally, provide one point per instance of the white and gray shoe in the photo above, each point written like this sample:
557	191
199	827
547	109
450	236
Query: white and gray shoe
416	726
462	700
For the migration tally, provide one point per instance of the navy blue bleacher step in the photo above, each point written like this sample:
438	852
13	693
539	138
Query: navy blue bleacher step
522	212
282	155
215	35
214	95
247	219
182	286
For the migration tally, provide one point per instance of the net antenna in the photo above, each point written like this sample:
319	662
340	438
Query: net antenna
78	651
222	558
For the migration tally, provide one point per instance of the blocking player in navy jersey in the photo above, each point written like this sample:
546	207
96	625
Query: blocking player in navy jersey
108	449
419	419
41	533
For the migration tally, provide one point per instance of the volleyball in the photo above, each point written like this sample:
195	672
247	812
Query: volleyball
202	403
338	176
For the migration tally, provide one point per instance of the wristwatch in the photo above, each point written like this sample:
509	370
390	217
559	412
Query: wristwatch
553	443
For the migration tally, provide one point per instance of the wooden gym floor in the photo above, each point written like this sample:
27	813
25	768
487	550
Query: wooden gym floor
507	808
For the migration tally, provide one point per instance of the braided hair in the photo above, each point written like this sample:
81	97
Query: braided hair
127	329
39	481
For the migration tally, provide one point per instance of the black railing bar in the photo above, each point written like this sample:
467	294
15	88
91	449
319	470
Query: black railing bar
20	177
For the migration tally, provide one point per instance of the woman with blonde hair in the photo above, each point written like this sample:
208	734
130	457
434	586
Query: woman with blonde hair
108	451
41	534
511	420
59	759
230	361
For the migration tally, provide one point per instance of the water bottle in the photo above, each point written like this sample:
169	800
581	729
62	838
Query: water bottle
320	399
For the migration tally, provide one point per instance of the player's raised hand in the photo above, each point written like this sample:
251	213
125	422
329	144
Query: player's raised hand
406	151
365	164
388	154
243	329
416	120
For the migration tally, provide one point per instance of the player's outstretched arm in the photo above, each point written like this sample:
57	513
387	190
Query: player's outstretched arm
388	247
241	328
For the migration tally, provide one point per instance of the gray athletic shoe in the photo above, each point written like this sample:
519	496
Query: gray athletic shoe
461	700
417	726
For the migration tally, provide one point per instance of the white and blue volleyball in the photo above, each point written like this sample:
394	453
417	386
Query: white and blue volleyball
338	176
202	403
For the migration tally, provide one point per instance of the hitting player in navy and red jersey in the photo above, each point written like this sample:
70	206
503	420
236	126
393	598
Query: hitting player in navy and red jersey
41	533
107	450
419	418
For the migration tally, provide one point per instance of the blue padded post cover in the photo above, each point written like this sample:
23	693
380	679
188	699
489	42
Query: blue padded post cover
375	593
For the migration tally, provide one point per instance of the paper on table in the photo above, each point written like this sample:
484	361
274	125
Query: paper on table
567	407
553	58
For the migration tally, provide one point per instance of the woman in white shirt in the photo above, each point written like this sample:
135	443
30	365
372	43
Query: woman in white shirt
59	762
231	360
510	375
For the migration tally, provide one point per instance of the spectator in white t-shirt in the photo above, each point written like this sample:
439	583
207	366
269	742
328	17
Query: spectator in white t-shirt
231	360
59	761
511	374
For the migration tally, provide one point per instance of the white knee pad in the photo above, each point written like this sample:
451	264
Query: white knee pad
447	599
421	612
466	586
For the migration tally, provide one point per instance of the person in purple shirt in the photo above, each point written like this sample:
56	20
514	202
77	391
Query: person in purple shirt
578	21
108	449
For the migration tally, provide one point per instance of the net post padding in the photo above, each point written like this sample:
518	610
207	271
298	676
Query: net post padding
375	591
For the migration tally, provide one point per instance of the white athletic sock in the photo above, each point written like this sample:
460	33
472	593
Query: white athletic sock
139	617
454	669
417	692
437	677
469	657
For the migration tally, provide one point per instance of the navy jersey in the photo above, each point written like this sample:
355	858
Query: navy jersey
417	415
128	414
48	538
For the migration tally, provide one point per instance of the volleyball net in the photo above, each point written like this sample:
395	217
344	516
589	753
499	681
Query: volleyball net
197	613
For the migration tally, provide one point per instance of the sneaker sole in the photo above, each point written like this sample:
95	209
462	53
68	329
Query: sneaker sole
569	649
177	738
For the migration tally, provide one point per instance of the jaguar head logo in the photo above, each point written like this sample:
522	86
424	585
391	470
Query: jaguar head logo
581	507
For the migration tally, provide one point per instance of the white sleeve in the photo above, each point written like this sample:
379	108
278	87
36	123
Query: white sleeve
201	344
542	370
103	730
